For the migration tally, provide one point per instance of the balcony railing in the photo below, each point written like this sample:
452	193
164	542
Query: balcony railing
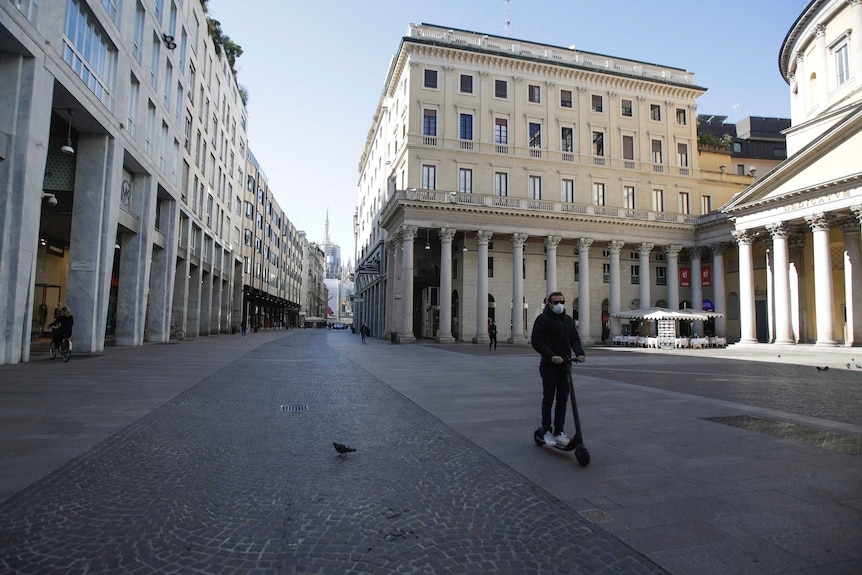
544	206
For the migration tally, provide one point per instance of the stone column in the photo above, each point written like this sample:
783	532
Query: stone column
856	19
823	302
781	282
391	311
747	323
551	243
719	296
482	239
614	247
518	241
822	66
672	253
644	250
408	234
853	268
797	296
444	332
696	288
584	290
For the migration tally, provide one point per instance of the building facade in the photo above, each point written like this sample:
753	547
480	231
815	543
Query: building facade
798	228
497	170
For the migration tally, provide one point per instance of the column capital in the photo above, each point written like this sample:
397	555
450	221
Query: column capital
614	246
672	250
584	243
778	230
518	239
743	237
644	248
483	237
818	222
718	248
447	234
797	241
849	226
857	210
409	233
694	252
551	242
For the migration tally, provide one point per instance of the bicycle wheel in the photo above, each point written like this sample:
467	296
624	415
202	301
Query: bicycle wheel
52	351
180	335
66	350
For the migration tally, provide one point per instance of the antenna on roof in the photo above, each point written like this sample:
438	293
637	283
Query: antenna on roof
508	18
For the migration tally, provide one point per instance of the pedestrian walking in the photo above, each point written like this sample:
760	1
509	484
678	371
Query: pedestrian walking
243	328
455	327
492	333
555	336
364	331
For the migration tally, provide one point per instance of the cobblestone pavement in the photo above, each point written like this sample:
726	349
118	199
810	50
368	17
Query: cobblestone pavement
237	474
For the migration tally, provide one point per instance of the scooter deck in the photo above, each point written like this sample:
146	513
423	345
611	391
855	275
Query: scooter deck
570	446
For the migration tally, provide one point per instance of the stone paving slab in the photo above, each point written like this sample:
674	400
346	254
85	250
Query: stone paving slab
218	479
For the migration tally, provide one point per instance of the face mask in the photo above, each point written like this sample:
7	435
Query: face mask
558	308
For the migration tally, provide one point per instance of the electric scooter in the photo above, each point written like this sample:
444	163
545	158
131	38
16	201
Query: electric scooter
576	443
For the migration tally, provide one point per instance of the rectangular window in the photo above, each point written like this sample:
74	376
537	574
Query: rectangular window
681	118
636	275
842	63
134	93
501	131
655	112
598	143
568	191
87	50
658	200
138	36
501	89
154	61
429	177
596	102
490	266
684	203
501	184
430	79
629	149
606	273
656	151
535	191
466	84
598	194
705	204
534	94
577	267
429	122
465	181
465	126
565	98
629	197
567	139
682	154
661	276
535	135
626	108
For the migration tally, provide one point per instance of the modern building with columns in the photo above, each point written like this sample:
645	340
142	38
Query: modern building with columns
798	228
498	170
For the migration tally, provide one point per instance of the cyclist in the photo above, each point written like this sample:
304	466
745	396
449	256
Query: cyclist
62	326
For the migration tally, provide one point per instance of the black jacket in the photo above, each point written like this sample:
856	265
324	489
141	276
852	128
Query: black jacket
555	334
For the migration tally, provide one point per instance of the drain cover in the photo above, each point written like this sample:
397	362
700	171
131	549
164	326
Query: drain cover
595	515
294	407
833	440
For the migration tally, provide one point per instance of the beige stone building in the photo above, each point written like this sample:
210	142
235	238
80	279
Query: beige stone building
497	170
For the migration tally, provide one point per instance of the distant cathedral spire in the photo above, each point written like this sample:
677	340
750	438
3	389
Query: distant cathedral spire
326	229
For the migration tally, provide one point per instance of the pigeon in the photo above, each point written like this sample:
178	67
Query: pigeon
342	449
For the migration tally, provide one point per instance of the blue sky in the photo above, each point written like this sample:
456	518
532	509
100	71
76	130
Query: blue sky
315	71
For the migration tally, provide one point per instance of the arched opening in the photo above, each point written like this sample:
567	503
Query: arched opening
492	308
606	320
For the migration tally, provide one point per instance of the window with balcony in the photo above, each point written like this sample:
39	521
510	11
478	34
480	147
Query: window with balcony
682	157
598	194
429	123
658	200
535	188
568	191
598	143
535	136
629	197
655	149
501	184
567	139
465	126
684	203
629	152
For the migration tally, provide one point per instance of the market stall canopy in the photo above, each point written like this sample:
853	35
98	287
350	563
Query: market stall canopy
658	313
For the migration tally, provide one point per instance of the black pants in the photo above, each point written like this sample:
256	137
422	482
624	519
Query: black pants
493	342
555	386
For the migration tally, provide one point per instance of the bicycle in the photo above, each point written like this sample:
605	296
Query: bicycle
64	349
176	333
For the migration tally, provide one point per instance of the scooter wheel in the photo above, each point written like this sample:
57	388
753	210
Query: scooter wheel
582	454
539	437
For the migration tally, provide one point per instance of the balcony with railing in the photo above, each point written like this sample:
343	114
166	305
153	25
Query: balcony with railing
436	197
